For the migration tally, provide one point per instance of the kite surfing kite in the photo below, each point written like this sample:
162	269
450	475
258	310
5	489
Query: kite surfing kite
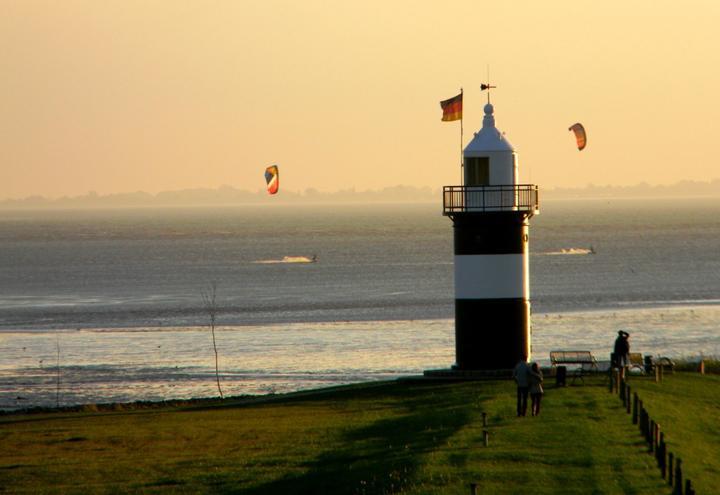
580	136
272	177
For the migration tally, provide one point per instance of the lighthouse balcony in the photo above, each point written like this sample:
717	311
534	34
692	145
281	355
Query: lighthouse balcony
485	199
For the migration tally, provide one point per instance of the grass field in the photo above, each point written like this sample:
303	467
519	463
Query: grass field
687	407
402	437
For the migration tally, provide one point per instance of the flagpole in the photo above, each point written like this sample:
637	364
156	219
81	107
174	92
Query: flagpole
462	174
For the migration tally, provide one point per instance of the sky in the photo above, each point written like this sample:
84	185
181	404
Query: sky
151	95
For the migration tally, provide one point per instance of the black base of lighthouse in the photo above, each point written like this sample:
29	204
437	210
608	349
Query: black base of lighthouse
491	334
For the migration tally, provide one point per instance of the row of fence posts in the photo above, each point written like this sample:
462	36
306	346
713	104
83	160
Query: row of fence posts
486	443
671	468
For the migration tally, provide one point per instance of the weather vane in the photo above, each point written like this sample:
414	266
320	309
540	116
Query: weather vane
487	86
483	87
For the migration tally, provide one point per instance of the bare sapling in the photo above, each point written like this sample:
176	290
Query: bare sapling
209	300
57	373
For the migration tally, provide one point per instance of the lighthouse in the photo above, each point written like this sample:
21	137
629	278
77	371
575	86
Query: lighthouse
490	213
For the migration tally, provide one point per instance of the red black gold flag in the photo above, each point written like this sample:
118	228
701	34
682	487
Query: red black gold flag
452	108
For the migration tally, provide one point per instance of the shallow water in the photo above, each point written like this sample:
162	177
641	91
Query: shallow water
119	365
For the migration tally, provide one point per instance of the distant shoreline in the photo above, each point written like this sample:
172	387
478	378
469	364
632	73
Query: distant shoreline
227	196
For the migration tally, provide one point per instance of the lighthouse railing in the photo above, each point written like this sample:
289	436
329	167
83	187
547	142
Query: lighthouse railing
482	199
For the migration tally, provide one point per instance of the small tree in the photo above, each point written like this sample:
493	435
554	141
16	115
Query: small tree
210	305
57	371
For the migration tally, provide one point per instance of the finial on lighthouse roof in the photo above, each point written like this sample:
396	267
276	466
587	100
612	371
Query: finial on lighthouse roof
488	138
489	119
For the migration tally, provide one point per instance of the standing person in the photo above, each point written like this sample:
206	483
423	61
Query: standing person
622	352
535	380
520	374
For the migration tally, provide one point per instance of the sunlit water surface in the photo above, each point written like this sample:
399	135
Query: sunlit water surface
117	292
119	365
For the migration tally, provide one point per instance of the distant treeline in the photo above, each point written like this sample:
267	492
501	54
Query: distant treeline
227	195
642	190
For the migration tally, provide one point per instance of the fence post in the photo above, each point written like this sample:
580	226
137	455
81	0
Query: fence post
657	374
662	456
651	436
688	487
701	368
484	416
473	488
635	408
627	399
671	459
486	438
678	477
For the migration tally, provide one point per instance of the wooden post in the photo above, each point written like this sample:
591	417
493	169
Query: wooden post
656	436
660	370
657	374
643	418
484	416
671	459
662	456
688	487
486	438
473	488
635	408
678	477
701	368
651	436
627	400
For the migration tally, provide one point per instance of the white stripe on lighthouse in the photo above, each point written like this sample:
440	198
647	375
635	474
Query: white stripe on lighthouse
496	276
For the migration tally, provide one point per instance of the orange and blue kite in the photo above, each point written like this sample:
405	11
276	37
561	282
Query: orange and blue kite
272	177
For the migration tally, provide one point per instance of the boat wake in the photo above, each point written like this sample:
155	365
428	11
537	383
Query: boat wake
570	251
289	259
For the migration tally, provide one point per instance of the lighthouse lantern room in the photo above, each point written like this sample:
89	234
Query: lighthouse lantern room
490	214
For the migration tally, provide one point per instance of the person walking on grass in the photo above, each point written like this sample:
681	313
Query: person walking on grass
520	374
535	380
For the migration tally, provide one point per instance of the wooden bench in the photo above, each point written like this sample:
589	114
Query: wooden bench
635	360
584	358
665	362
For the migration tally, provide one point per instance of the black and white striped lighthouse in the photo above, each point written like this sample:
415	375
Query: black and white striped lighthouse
490	214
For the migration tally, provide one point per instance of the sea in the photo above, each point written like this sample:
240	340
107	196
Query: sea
103	306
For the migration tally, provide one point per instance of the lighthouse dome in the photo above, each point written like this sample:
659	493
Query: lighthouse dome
488	138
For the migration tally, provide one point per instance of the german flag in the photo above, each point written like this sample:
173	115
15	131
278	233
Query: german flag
452	108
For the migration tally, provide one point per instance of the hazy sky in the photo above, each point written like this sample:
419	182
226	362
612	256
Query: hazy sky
117	96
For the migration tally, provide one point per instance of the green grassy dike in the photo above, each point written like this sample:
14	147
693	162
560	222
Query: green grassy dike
410	437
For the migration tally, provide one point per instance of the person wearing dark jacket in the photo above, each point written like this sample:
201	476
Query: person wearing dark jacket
535	380
622	352
520	373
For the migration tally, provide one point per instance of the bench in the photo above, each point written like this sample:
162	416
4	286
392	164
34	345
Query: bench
665	362
635	360
584	358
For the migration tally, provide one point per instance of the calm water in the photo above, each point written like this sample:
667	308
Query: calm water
118	293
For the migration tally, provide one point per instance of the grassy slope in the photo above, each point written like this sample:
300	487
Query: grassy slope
687	407
408	437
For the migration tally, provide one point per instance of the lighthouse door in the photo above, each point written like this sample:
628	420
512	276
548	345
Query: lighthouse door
477	171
